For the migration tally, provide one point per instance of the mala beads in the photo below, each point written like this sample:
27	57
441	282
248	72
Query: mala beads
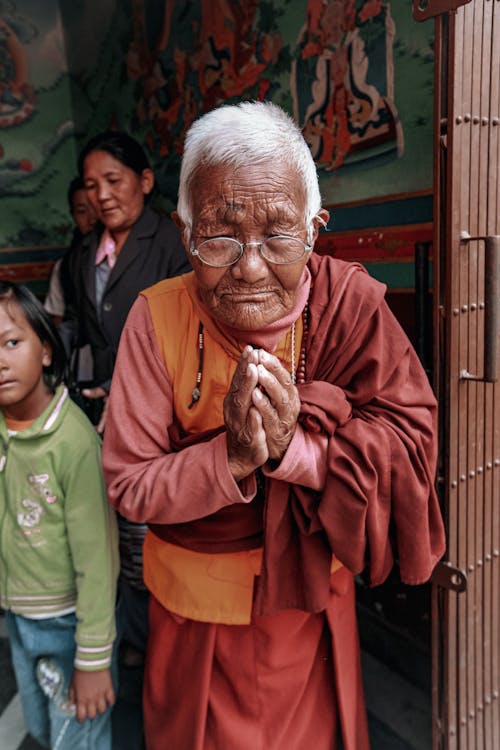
297	377
196	392
301	369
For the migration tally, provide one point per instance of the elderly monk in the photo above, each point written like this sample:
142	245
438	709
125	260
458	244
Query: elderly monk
272	425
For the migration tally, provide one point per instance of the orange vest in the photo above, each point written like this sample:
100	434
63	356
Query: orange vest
205	587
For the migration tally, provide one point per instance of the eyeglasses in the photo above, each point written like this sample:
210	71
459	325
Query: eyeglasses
225	251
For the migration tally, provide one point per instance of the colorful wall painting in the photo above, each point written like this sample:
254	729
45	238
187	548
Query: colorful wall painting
344	116
357	75
350	71
36	128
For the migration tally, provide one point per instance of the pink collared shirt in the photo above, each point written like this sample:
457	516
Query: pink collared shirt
106	249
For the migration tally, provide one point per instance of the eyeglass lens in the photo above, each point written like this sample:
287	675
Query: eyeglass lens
221	251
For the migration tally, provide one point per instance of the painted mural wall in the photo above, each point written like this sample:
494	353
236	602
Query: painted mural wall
36	126
356	75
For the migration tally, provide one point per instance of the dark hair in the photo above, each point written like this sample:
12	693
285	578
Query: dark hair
121	146
75	185
43	326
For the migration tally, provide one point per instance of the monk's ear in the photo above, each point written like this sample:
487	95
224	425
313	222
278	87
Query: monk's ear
320	220
323	216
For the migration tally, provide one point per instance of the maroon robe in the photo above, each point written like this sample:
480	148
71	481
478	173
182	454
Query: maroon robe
366	391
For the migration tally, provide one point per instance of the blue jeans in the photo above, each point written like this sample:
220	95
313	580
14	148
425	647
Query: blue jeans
42	655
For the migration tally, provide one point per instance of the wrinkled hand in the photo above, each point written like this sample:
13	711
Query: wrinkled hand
98	392
246	438
260	412
277	402
91	692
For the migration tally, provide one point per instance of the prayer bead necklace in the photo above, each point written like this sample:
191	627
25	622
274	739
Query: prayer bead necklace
301	369
196	392
297	377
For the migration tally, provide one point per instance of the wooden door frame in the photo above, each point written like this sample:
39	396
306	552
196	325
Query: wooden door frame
466	626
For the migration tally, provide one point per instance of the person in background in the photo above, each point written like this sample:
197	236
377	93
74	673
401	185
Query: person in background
60	287
130	248
270	422
59	543
85	218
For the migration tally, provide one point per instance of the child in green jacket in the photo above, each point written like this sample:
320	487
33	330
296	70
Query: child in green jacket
58	537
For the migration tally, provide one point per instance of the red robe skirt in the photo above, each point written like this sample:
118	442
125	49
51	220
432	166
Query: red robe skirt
287	681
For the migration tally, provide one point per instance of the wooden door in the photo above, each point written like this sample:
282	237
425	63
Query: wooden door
466	591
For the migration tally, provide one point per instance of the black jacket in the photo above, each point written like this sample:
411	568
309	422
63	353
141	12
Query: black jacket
153	251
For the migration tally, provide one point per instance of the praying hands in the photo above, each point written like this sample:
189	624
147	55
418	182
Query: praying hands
260	412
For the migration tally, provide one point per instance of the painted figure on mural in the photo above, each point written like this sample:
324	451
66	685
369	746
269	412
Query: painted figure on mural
234	53
340	110
341	75
17	99
224	54
16	92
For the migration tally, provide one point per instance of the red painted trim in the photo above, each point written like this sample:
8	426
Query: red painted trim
24	272
380	244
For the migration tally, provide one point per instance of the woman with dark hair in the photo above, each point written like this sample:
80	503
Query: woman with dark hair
119	145
131	248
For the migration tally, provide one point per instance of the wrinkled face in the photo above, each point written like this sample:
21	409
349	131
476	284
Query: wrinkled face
83	212
23	393
115	191
248	204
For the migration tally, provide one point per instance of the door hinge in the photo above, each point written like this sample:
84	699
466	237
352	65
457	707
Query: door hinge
447	576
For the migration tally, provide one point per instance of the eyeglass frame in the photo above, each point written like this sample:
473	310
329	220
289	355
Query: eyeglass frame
242	245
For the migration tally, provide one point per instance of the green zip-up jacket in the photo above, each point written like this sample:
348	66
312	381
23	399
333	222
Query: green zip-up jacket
58	534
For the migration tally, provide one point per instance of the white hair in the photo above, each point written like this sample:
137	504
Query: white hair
238	134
